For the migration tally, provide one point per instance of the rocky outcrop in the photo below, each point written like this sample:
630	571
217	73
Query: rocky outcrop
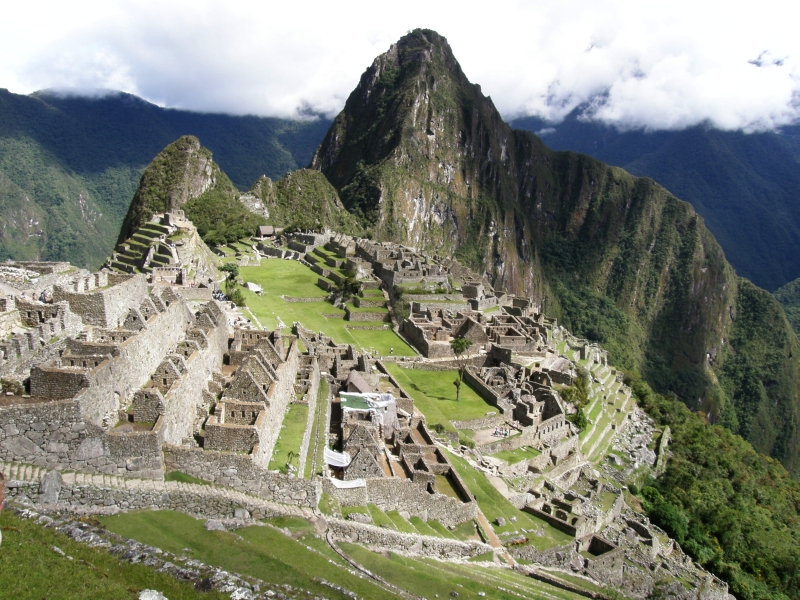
180	172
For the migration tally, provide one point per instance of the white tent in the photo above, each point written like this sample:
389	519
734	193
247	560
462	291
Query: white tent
336	459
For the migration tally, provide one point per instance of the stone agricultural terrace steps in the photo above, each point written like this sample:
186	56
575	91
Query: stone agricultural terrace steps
146	248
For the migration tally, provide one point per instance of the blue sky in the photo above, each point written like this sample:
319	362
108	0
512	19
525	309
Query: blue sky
654	65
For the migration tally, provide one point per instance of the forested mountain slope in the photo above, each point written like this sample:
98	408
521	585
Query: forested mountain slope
69	165
421	156
746	186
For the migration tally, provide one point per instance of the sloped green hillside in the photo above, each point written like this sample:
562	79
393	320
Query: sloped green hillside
789	297
70	165
745	186
183	176
304	199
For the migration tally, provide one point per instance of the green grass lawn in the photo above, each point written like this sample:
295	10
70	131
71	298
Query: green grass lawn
30	568
290	278
514	456
429	579
319	430
290	438
508	580
260	552
435	395
184	478
400	523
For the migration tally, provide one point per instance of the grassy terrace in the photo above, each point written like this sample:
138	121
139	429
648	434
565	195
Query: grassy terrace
493	504
318	433
514	456
430	578
31	568
435	395
261	552
290	438
289	278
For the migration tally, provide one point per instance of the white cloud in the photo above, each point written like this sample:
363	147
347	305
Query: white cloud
658	66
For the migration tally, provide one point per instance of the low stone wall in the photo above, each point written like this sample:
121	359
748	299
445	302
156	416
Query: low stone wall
487	422
295	299
485	392
379	538
358	315
197	500
396	494
198	294
241	473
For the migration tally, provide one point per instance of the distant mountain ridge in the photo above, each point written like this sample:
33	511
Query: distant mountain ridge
70	165
746	186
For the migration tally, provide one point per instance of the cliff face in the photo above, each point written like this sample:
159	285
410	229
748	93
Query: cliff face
423	158
180	172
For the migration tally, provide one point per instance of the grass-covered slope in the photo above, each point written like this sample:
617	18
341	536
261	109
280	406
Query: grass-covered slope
304	199
69	165
183	176
31	567
422	157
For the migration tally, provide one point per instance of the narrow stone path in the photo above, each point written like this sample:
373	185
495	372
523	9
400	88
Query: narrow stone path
493	540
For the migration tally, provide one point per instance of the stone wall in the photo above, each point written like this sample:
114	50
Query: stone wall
54	435
197	500
281	393
197	294
105	307
114	382
379	538
241	473
397	494
311	401
185	394
487	422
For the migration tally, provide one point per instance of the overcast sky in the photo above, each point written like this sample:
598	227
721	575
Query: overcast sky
658	65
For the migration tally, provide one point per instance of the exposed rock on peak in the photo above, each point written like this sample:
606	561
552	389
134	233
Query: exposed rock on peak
180	172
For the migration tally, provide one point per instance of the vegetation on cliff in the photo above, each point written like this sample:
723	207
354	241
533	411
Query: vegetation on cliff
734	510
745	185
422	157
304	199
789	297
219	216
183	176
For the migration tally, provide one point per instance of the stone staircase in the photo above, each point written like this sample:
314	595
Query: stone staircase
145	249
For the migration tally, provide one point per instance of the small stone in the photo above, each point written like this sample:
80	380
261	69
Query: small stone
501	522
241	513
151	595
50	487
214	525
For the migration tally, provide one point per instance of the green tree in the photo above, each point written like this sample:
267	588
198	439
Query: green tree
460	347
579	419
